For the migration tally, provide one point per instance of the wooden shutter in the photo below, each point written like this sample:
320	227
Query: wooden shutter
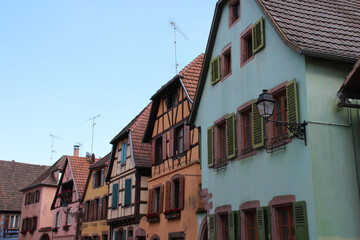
102	177
153	149
210	146
100	208
86	214
171	142
258	40
215	70
267	219
104	207
127	198
182	191
54	223
212	226
300	220
186	138
23	226
292	103
94	180
161	199
123	235
230	136
116	235
237	224
123	152
260	223
257	127
231	226
150	200
163	146
167	195
115	193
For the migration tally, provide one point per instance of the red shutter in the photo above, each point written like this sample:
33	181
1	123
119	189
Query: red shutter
150	200
182	192
167	195
171	143
161	199
164	146
186	138
153	152
86	211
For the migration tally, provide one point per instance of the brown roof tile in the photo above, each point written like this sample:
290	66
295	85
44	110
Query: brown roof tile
14	176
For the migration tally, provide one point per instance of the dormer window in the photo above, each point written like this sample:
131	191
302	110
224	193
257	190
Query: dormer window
98	178
171	100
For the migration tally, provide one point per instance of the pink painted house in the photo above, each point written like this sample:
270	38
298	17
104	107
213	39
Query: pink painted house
36	216
66	205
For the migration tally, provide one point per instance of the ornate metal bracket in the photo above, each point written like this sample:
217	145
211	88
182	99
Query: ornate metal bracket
298	129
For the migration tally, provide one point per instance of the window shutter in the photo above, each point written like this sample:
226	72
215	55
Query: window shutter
171	143
161	199
102	177
124	235
167	195
69	218
100	208
153	152
59	219
186	138
104	207
54	223
123	153
164	146
257	127
115	193
23	226
237	224
267	219
230	136
150	200
94	180
116	235
231	226
291	102
182	192
34	223
210	146
212	227
127	200
215	70
260	223
258	36
300	220
86	216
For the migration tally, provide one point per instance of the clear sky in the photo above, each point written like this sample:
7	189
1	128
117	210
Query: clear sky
64	62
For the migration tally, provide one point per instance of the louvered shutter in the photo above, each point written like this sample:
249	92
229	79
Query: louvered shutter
258	36
210	146
115	193
257	127
231	226
237	225
164	146
161	199
260	223
127	200
212	227
150	200
292	103
300	220
94	180
153	152
167	195
182	191
230	136
186	138
267	219
215	70
102	176
171	142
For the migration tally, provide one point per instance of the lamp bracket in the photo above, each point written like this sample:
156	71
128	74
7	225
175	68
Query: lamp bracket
298	129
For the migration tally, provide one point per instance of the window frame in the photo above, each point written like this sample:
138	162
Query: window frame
158	150
232	19
244	36
219	161
15	223
245	208
179	141
244	152
226	62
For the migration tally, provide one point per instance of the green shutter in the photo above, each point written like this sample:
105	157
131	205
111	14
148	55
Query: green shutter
258	36
115	235
212	227
230	136
257	127
127	200
237	225
300	220
124	235
215	70
123	153
231	226
115	193
267	219
291	102
210	146
260	223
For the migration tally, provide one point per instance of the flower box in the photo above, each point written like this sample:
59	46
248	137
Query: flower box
66	227
55	229
23	232
31	231
153	217
172	213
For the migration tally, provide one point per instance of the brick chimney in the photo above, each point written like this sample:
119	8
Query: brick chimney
76	150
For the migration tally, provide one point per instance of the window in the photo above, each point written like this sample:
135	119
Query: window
14	222
127	195
224	225
179	140
226	62
37	196
98	178
57	219
171	100
280	114
86	211
251	225
115	193
174	194
246	49
123	153
234	12
215	70
286	223
155	202
158	150
221	140
105	236
66	188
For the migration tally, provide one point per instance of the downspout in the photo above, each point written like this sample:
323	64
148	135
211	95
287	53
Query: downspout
187	94
355	155
131	149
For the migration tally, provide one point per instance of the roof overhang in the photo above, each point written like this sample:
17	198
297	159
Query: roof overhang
351	87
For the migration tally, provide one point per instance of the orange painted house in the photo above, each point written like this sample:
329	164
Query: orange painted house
173	188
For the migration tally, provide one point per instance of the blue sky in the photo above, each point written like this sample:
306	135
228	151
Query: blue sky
63	62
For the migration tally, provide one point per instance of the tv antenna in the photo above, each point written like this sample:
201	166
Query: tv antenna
52	145
176	29
93	126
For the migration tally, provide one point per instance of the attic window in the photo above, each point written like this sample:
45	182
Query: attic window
234	12
171	100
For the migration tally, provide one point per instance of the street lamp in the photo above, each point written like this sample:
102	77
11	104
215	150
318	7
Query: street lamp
265	105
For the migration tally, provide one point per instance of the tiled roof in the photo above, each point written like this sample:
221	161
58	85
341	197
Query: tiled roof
102	162
351	86
323	28
14	176
47	178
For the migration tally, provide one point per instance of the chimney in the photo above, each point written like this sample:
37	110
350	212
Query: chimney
76	150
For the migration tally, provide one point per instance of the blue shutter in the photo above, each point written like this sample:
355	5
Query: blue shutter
115	235
127	200
115	193
123	153
124	235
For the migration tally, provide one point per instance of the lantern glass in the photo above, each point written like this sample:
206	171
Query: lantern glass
265	104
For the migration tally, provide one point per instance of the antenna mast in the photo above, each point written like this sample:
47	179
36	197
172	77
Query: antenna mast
93	126
176	29
52	145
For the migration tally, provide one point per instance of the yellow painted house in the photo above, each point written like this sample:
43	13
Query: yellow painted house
95	203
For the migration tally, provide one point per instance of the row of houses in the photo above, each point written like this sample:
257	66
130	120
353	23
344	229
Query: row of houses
203	161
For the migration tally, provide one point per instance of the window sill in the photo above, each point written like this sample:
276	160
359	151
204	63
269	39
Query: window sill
226	76
245	153
152	219
173	215
219	163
